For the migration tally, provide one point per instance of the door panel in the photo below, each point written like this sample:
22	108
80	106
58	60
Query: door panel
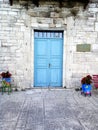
40	63
55	78
48	60
41	77
56	62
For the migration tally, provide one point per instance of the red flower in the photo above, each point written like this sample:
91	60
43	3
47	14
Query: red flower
6	74
83	81
86	80
89	77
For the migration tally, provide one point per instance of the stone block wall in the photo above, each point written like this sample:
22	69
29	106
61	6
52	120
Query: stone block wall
17	26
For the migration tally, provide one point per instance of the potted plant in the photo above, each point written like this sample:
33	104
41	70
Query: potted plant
86	84
6	81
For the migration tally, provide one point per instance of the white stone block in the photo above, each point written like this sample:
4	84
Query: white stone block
33	20
3	12
43	25
13	13
54	15
96	26
91	40
94	47
52	25
58	25
65	21
97	16
70	22
20	24
34	24
93	9
23	28
45	20
20	21
92	5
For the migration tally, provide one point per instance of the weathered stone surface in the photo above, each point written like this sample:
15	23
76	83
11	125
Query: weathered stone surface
17	27
49	109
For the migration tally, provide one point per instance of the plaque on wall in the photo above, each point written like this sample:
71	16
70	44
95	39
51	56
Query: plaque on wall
83	47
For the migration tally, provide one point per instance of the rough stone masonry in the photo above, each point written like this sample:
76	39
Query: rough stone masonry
17	25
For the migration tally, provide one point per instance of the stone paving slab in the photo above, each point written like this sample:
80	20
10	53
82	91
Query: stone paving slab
48	109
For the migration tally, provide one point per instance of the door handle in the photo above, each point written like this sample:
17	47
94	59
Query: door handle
49	65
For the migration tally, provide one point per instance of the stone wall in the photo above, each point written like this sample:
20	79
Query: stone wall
17	24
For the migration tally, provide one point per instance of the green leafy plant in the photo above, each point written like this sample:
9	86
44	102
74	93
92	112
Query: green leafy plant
5	84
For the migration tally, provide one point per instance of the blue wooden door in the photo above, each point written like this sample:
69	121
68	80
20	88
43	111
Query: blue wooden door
48	49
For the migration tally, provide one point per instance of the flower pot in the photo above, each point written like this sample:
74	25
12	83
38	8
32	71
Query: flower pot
86	88
6	84
7	80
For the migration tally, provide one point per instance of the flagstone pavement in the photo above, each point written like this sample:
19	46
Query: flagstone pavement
49	109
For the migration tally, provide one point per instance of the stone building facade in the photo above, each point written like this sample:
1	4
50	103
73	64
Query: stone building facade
80	40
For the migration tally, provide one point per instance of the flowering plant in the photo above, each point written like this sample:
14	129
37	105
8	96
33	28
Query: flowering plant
5	84
6	74
86	80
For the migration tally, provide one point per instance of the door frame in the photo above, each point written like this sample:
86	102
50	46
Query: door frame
63	62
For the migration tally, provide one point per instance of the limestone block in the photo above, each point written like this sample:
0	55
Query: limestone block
13	49
7	28
45	20
52	25
44	14
90	40
65	21
95	47
83	68
58	25
64	14
58	21
43	25
33	20
97	17
90	23
3	12
14	13
70	22
91	34
6	44
54	15
34	24
93	19
23	28
96	26
93	9
20	35
78	58
32	13
20	24
7	58
20	21
70	41
88	28
92	5
16	29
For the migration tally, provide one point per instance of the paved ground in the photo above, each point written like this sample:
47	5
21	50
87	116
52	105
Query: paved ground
48	109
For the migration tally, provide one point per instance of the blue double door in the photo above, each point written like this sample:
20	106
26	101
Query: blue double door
48	59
